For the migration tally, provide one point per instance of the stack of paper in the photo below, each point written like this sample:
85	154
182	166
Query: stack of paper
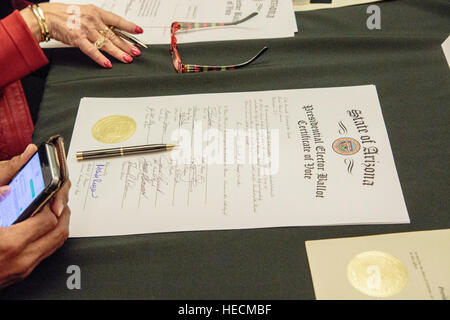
275	19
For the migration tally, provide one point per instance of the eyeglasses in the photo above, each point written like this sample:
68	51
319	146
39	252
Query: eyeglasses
185	26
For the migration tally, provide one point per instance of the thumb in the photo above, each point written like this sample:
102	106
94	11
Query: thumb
9	168
4	191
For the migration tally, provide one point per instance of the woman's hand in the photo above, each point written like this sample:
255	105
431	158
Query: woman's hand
24	245
81	26
9	168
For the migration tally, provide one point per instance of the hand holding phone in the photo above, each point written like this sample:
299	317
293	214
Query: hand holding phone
35	183
24	245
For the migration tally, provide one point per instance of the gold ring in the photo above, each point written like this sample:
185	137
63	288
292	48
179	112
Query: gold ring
100	42
107	32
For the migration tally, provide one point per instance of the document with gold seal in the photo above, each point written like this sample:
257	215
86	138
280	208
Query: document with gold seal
398	266
259	159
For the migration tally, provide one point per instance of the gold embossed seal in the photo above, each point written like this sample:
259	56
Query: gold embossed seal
377	274
114	129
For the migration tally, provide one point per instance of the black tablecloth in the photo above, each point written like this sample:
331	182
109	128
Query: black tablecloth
405	61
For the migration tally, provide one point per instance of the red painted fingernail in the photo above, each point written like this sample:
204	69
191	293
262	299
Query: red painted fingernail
138	30
135	51
127	58
107	64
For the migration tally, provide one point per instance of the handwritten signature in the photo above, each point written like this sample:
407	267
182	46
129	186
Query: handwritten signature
154	175
97	179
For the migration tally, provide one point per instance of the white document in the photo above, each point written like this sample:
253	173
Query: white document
396	266
275	19
305	5
446	49
245	160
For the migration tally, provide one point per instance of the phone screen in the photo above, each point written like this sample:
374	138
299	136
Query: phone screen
25	187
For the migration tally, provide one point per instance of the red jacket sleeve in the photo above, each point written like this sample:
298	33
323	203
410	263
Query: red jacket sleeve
20	53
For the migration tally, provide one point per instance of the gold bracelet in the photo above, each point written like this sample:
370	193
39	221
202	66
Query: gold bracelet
44	22
37	11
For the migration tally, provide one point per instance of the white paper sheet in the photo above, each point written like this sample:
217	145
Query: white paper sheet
276	18
257	159
305	5
395	266
446	49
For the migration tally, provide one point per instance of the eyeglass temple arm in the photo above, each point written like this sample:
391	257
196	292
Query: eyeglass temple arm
235	66
198	25
253	58
242	20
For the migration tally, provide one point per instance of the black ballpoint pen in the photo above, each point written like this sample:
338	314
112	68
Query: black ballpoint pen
123	151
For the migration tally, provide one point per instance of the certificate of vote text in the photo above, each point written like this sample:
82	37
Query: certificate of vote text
243	160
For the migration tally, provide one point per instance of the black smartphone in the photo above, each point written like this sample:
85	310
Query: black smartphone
32	186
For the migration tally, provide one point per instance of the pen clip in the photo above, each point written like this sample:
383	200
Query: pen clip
128	37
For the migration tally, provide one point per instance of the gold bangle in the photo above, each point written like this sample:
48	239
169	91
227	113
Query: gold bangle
38	19
37	11
44	22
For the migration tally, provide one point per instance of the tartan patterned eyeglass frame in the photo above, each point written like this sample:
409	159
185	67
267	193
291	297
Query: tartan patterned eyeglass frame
185	26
